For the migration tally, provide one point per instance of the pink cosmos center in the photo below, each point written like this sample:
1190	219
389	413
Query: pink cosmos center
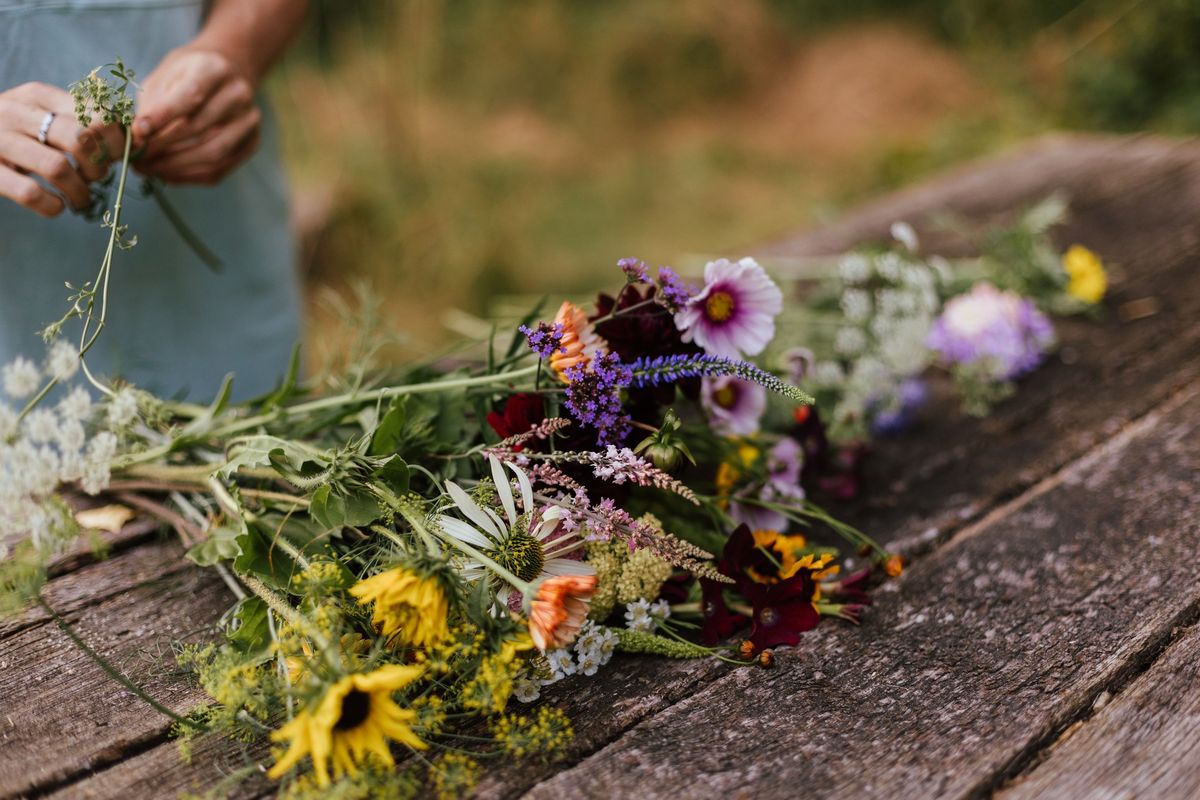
726	396
719	306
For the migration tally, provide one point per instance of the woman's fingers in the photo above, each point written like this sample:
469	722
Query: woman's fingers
28	155
25	191
234	97
214	173
213	153
178	88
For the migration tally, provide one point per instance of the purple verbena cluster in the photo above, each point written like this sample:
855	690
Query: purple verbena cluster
545	339
673	293
594	396
668	369
635	270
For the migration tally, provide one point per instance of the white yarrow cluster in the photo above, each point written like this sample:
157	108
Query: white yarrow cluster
593	648
644	616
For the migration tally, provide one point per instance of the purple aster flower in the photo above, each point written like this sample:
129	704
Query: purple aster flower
784	464
735	313
594	396
635	270
673	293
734	406
894	417
545	339
1001	331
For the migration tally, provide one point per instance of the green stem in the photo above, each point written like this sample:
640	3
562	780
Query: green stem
112	671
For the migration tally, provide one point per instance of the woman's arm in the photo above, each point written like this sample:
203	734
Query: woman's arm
197	119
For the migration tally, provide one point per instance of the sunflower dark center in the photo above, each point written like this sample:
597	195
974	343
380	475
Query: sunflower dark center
719	306
522	555
356	707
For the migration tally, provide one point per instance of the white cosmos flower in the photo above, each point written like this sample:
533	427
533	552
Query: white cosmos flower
527	551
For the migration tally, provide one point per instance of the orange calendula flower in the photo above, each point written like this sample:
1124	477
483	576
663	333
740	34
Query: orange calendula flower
894	565
559	610
580	342
1088	280
355	717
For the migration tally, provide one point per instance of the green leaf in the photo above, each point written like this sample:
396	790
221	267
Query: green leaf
277	397
333	510
264	451
260	557
386	437
250	633
221	545
394	474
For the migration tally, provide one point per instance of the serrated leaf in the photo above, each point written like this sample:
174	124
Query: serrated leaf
394	474
250	632
333	510
221	545
267	451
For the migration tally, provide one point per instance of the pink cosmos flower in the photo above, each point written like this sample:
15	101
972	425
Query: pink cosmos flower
735	313
734	406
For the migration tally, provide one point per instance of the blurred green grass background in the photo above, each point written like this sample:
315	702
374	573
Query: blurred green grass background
452	152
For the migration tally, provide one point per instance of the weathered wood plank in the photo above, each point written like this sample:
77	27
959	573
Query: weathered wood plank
63	716
1145	743
99	581
986	650
214	765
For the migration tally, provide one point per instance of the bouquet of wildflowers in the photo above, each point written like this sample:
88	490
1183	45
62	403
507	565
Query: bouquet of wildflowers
416	552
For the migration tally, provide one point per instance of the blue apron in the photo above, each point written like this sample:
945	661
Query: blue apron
175	327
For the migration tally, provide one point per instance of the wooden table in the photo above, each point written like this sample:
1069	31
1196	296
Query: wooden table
1042	643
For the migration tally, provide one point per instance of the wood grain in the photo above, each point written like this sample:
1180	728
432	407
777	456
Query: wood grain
63	716
1145	743
985	651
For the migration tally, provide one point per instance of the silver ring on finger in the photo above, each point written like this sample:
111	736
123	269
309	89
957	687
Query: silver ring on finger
44	130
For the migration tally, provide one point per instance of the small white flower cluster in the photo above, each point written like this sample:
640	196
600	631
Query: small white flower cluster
889	301
51	446
593	648
644	616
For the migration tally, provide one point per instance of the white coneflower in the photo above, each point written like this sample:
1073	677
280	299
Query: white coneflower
525	545
21	378
62	361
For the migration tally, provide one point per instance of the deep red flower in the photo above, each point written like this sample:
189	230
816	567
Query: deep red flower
521	412
782	611
852	588
719	621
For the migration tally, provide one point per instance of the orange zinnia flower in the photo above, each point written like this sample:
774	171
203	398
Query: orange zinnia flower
579	340
559	610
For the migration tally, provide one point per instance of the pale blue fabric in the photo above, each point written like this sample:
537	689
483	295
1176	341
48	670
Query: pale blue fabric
175	327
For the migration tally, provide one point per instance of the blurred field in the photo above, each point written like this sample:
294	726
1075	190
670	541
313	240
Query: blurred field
453	151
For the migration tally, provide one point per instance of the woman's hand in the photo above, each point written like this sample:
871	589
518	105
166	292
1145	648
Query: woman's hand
196	119
22	113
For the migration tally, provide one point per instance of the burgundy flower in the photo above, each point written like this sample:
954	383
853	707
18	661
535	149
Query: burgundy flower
521	412
782	611
676	588
719	621
852	588
645	332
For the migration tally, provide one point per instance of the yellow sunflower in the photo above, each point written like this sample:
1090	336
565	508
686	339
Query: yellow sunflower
406	605
356	716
